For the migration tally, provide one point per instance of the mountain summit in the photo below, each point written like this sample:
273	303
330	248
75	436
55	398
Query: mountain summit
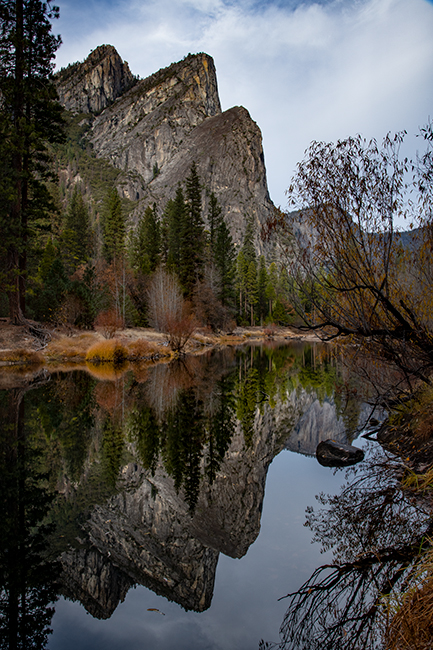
153	129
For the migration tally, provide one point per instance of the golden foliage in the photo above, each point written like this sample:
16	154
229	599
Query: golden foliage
69	347
108	351
20	355
410	624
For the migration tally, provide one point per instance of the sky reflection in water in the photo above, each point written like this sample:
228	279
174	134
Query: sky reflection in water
244	606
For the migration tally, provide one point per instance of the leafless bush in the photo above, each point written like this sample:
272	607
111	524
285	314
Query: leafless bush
108	322
180	330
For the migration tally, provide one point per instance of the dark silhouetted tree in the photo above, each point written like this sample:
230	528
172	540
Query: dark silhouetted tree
30	118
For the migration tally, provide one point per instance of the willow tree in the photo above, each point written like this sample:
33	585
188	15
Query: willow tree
30	119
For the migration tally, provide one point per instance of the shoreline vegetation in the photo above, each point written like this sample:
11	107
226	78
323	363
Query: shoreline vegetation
137	344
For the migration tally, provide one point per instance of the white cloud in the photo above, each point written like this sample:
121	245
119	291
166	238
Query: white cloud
305	71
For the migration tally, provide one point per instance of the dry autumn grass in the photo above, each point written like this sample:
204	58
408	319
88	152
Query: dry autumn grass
21	355
142	349
69	348
410	626
118	351
107	351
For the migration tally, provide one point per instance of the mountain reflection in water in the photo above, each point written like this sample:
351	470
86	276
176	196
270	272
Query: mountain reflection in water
145	477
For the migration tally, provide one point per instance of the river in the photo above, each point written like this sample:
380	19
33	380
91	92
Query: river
164	506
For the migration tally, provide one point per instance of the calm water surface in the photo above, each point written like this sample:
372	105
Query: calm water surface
163	507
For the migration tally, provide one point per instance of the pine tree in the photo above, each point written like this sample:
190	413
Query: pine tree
55	287
222	252
30	117
272	287
251	289
214	219
248	243
77	234
262	307
192	235
224	257
247	287
146	243
241	280
173	220
47	259
114	229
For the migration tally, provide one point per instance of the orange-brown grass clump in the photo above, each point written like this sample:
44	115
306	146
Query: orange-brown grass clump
411	626
141	349
69	348
108	351
21	356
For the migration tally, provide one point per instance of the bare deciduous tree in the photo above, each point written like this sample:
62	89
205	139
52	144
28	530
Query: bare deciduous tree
356	276
168	311
165	300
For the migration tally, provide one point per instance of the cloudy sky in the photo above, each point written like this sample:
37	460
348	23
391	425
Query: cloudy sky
305	70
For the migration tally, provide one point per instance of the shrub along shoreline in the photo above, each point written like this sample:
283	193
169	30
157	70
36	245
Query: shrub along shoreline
128	345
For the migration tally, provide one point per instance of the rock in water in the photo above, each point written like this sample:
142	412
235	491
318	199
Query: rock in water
338	454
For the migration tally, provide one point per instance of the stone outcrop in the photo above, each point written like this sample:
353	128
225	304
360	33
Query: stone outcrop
93	580
91	86
148	125
154	130
228	152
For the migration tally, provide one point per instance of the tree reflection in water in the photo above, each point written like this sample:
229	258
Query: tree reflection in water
106	447
378	535
27	576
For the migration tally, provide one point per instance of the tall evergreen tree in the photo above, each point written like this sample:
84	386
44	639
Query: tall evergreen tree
262	281
251	289
246	285
114	229
248	244
77	234
192	235
173	220
241	281
272	287
30	117
222	252
47	259
224	257
214	219
146	243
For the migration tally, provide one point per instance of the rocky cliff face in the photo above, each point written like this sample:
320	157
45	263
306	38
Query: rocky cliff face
91	86
153	131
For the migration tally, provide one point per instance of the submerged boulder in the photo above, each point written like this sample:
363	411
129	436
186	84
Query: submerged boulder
331	453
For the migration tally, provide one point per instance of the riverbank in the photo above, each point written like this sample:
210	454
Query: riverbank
60	347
